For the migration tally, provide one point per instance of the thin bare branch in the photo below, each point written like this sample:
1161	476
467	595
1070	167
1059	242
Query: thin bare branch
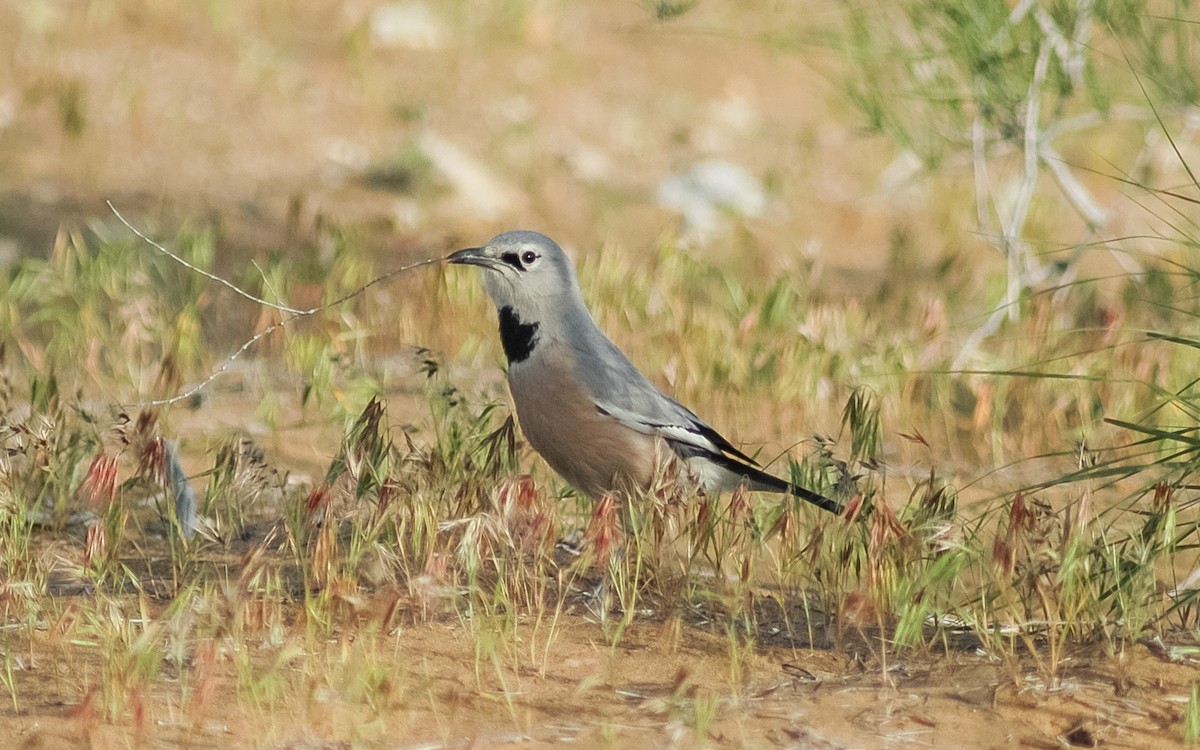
291	313
1075	191
201	271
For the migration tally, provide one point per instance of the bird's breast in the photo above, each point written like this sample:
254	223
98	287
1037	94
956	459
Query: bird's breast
591	450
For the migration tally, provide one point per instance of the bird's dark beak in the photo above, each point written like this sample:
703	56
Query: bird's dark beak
472	256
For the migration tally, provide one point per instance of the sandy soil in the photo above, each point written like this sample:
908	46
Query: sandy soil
263	118
641	694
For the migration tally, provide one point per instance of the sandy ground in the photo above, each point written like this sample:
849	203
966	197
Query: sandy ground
561	119
643	693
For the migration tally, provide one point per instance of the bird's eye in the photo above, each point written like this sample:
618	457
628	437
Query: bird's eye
528	257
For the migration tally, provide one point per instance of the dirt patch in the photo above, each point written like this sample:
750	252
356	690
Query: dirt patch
439	690
250	115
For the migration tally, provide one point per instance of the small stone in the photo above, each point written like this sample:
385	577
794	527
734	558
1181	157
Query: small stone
707	192
406	25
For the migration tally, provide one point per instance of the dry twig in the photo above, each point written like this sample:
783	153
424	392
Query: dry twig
291	314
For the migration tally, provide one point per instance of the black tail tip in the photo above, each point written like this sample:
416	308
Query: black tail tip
818	500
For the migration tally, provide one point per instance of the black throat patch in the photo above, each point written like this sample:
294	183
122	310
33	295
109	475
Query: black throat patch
518	338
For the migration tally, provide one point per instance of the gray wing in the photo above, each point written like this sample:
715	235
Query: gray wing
623	393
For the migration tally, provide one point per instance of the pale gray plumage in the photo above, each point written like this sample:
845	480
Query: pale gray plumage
582	404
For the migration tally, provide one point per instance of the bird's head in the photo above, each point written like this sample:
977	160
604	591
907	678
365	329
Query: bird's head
525	271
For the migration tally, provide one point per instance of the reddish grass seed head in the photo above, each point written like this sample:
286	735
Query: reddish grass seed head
739	505
784	527
99	485
1163	495
387	492
853	508
604	528
152	464
1002	555
318	499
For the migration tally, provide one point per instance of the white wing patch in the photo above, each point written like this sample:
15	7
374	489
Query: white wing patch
692	434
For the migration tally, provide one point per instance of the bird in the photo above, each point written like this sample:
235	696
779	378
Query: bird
581	403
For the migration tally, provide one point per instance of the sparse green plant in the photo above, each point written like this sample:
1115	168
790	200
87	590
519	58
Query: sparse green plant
1002	94
705	708
132	656
8	681
1191	719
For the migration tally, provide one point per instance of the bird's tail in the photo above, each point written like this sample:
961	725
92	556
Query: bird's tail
760	481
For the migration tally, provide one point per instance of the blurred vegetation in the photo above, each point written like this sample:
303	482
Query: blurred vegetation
1030	101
